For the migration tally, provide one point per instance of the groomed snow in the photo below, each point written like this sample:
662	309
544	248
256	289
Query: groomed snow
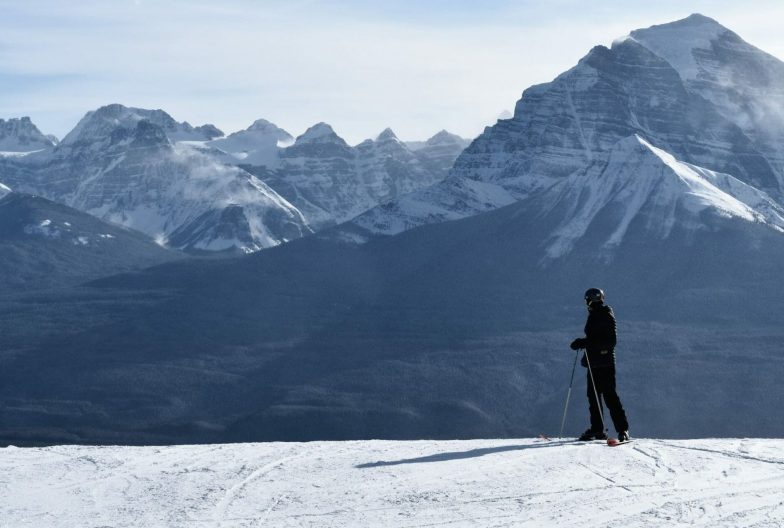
487	483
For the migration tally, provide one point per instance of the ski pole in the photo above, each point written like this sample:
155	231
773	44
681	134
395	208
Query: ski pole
568	394
596	394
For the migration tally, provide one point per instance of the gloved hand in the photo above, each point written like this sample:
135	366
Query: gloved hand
578	343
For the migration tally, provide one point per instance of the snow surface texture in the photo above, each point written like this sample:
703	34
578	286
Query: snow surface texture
489	483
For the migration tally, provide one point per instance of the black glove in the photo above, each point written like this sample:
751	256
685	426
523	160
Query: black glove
578	343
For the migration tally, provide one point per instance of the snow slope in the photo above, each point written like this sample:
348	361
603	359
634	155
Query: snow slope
640	180
489	483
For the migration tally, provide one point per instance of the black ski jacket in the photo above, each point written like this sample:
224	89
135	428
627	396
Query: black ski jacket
600	337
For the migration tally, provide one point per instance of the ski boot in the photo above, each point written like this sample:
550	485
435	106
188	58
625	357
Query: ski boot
590	434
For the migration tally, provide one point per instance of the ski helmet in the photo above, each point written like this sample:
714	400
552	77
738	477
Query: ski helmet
594	295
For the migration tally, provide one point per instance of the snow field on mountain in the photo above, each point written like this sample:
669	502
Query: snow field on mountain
728	482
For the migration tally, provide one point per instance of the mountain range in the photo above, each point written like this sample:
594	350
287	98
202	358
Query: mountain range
192	189
708	106
447	311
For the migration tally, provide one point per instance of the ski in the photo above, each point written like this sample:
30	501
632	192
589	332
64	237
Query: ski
545	438
614	442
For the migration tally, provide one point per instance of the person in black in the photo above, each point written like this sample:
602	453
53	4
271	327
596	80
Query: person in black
599	357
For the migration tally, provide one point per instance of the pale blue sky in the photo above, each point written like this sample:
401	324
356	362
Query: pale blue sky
416	66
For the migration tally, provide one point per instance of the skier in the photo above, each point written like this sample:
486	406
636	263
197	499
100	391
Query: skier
599	357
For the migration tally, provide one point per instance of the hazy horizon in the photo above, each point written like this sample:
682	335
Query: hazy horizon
359	66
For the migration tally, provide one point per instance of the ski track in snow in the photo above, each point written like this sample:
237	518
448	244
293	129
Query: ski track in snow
487	483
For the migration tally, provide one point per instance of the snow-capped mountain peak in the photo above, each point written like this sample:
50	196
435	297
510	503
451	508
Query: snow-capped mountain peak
681	42
267	128
319	133
387	135
98	124
21	135
256	145
743	83
443	137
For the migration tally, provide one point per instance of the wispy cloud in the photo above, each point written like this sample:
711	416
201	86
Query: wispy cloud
362	66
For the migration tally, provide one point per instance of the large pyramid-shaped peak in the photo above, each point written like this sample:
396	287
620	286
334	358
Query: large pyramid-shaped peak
743	82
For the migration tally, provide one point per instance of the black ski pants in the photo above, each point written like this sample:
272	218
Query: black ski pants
605	388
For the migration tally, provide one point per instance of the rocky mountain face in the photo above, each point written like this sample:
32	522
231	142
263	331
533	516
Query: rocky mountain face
690	107
191	188
330	181
21	135
743	83
124	165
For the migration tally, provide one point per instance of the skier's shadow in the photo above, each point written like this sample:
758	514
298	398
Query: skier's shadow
457	455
